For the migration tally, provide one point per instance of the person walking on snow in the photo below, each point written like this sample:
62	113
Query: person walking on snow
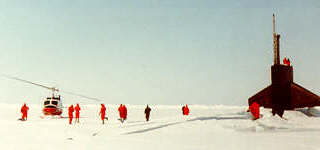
102	112
186	110
122	112
120	109
77	109
24	111
147	112
125	112
70	112
183	109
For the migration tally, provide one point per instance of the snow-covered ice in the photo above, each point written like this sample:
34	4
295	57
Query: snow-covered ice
207	127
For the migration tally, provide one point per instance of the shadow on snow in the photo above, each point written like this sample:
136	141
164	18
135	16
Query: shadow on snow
190	120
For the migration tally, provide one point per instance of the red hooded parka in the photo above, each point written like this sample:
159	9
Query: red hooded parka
255	110
24	111
70	112
77	109
103	111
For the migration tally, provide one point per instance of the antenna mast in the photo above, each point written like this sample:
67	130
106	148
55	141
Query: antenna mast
276	43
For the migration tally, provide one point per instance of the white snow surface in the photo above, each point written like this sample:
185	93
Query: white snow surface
207	128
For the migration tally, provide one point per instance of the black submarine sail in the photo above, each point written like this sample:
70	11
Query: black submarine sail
283	94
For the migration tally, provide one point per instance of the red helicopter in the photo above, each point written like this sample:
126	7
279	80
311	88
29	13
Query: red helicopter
52	105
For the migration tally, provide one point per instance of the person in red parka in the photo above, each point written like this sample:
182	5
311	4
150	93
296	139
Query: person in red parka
70	112
24	111
286	61
255	110
125	112
77	109
102	112
186	110
120	109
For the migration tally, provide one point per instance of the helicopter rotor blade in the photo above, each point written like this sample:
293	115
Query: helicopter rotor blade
80	95
29	82
50	88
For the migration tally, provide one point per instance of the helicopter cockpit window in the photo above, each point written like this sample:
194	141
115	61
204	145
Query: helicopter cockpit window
50	106
46	102
54	102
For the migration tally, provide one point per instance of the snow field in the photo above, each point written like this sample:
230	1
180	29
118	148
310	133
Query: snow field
207	127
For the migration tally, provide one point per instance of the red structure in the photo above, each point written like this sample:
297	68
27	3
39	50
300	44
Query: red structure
283	94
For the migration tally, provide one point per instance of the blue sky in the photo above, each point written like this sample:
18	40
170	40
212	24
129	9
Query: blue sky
152	51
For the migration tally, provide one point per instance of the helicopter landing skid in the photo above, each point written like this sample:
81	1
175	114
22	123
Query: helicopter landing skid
52	117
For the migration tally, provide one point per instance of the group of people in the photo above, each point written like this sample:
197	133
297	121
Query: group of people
122	112
70	113
253	108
